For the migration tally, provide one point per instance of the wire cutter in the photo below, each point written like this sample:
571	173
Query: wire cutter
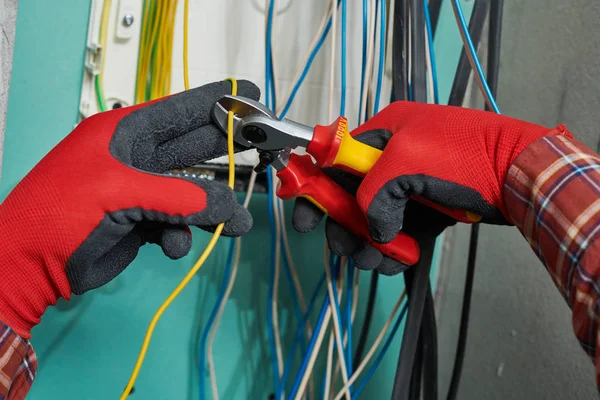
256	126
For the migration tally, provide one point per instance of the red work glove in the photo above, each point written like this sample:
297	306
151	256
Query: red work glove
453	156
78	219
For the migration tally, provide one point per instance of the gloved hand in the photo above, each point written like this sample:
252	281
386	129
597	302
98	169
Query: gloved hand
453	156
78	219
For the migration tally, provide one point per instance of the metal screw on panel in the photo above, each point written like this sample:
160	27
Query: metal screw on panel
128	20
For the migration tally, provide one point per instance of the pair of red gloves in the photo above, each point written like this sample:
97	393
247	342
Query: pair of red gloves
79	217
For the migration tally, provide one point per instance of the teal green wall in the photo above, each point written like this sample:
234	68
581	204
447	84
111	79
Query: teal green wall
87	347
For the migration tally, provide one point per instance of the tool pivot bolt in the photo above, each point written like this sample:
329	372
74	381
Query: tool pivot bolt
254	134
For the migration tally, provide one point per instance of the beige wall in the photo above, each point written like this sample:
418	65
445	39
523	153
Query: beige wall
8	16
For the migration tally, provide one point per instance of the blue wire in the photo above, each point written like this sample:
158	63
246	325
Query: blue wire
213	315
311	58
436	98
270	95
473	53
311	346
300	331
343	77
335	260
270	327
349	298
381	55
294	294
381	354
364	57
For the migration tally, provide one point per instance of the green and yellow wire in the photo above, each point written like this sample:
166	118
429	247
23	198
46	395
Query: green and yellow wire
153	78
103	34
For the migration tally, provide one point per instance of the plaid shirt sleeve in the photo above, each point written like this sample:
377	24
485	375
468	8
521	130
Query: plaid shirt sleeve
552	193
18	365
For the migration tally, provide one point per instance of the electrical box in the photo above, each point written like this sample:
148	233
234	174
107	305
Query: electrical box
120	59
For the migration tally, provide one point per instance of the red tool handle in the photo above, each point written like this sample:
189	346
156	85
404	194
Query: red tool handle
302	178
466	217
333	146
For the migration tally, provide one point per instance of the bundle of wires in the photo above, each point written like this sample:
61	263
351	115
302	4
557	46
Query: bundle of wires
416	362
331	306
153	78
98	82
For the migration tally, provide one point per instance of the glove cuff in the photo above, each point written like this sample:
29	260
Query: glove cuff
33	257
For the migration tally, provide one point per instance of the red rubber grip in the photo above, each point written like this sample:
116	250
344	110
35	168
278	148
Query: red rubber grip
302	178
459	215
326	142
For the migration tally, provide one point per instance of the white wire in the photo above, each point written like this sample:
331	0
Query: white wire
332	69
305	60
332	66
276	214
313	355
353	314
275	301
329	365
328	375
234	268
337	327
370	59
373	348
295	279
429	69
292	265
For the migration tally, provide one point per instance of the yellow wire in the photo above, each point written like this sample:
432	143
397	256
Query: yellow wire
197	265
156	50
158	56
150	44
140	79
103	35
186	77
211	243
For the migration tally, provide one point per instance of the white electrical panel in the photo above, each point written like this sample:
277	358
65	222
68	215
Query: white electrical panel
226	39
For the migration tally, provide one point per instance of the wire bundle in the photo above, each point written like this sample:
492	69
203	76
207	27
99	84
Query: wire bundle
341	332
416	373
98	82
153	79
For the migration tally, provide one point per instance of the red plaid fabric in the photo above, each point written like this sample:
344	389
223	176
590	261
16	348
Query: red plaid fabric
552	193
18	365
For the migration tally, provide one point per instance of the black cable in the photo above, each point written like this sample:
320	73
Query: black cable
414	392
434	14
364	333
463	70
464	317
418	77
400	51
430	349
495	35
407	382
493	67
417	293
